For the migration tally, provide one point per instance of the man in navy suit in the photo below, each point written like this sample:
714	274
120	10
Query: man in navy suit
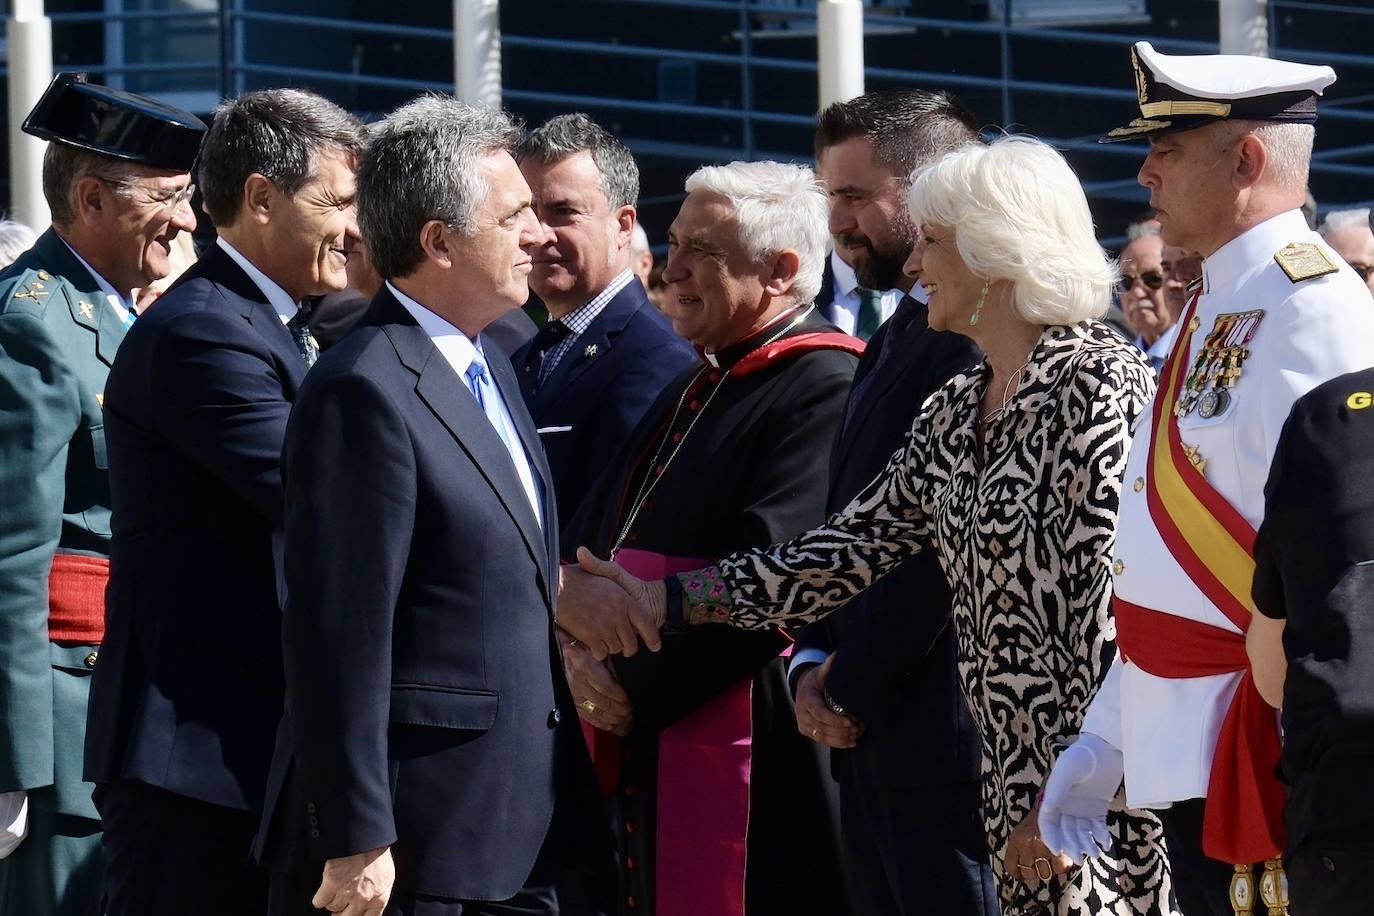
878	683
606	353
430	755
186	698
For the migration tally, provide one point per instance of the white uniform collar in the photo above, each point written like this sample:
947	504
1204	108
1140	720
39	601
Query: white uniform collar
121	304
281	302
1252	249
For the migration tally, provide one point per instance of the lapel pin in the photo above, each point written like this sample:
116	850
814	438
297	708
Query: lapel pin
592	350
87	311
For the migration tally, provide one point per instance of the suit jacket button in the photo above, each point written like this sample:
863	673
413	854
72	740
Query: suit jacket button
92	659
555	717
314	821
309	807
314	833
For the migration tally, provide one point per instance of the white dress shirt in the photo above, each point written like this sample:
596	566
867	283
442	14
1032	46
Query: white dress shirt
844	309
458	349
281	302
122	306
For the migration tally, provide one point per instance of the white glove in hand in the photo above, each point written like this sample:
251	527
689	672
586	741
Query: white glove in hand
14	820
1073	814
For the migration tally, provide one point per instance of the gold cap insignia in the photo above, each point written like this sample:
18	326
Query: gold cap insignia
1139	126
1142	89
1303	261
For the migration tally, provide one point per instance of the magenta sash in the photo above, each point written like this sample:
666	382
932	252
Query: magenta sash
703	787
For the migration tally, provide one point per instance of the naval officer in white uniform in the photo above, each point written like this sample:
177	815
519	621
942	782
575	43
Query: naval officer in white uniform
1276	314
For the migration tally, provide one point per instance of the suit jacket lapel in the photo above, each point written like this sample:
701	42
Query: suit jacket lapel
894	370
447	397
504	377
594	343
217	267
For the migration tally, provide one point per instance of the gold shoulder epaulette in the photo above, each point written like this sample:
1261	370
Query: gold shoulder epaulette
31	286
1303	261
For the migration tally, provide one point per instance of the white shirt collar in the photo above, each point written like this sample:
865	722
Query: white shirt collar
845	279
282	304
119	303
456	347
1252	249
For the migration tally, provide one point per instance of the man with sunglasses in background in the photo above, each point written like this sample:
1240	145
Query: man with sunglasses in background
116	179
1350	233
1150	299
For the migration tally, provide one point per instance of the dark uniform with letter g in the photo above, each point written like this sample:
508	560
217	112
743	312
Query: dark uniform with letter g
58	336
1315	569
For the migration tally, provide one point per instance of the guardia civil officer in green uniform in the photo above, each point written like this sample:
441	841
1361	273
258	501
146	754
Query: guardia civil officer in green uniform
116	178
1314	587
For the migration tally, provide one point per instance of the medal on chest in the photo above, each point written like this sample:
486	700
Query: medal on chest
1218	365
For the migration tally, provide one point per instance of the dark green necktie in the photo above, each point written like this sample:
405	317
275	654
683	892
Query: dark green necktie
870	313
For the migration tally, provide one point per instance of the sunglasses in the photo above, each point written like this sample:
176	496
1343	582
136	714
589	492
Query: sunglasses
1152	279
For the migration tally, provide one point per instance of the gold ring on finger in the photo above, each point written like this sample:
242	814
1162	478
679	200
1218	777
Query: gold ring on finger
1048	868
588	705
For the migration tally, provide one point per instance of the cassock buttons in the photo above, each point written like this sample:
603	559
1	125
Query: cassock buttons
1139	484
314	833
714	376
92	659
695	405
309	807
1118	567
555	717
632	901
631	863
677	437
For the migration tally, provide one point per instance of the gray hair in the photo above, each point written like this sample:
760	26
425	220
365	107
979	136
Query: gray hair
1289	148
639	239
1019	214
569	134
15	239
64	166
778	206
276	133
1337	220
424	163
1141	229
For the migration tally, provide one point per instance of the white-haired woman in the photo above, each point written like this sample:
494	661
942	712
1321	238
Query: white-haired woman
1012	474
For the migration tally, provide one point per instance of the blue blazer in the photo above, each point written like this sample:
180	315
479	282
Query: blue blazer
426	704
896	661
601	388
187	693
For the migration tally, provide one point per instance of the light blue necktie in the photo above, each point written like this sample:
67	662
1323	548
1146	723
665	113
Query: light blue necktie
479	382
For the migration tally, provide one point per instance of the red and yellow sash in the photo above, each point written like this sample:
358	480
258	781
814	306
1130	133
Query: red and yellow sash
1214	545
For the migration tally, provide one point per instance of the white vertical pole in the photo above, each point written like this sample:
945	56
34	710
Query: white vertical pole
477	52
1243	27
840	51
29	35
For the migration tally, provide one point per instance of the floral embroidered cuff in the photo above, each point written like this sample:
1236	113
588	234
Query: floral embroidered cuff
705	597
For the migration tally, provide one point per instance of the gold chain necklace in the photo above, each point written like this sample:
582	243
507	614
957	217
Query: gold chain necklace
651	479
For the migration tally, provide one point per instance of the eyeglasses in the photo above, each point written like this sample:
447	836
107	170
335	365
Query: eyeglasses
166	198
1152	279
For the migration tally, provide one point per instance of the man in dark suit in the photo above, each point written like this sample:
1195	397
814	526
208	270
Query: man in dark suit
116	176
188	693
430	753
592	371
878	682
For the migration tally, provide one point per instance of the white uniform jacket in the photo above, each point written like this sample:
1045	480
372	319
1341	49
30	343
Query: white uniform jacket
1312	330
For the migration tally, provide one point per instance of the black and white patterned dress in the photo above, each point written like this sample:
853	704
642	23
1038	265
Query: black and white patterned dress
1025	538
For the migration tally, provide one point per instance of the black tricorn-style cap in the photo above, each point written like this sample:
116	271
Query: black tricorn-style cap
114	123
